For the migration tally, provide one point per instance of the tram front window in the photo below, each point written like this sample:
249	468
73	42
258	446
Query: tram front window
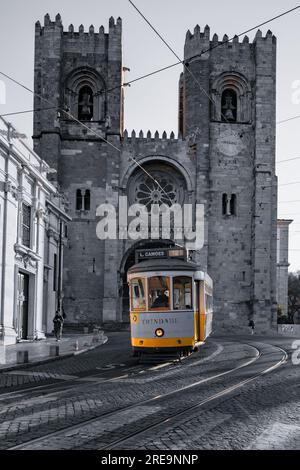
138	294
158	289
182	293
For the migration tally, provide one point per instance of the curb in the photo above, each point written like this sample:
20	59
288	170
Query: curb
51	359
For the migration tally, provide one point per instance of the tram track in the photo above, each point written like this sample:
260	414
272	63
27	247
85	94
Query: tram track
89	426
186	411
58	385
54	385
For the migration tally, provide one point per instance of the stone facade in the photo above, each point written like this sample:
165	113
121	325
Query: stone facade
224	157
31	216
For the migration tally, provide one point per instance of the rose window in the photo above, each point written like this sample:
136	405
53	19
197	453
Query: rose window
165	187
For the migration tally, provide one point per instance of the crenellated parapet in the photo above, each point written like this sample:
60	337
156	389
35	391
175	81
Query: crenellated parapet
114	30
197	42
149	137
200	42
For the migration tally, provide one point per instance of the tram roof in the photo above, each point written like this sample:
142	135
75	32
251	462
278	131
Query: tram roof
163	265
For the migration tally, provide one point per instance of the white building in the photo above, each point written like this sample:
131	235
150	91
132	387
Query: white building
283	264
32	236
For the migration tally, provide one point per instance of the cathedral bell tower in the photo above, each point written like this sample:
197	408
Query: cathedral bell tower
80	73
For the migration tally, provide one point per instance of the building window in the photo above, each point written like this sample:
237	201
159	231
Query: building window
229	203
87	200
85	104
85	95
83	200
144	190
26	225
232	97
229	106
224	204
78	200
233	204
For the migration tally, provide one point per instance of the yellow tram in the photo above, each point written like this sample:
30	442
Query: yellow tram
171	302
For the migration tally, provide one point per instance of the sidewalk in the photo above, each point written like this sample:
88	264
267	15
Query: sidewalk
27	353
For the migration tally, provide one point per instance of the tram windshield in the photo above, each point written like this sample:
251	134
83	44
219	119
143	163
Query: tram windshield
159	290
138	294
182	293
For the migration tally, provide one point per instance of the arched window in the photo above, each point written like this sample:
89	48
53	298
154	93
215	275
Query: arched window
233	204
83	199
87	200
229	204
85	104
224	204
78	200
231	98
229	106
85	95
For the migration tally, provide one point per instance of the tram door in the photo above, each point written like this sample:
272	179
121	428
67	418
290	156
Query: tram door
197	320
22	305
200	308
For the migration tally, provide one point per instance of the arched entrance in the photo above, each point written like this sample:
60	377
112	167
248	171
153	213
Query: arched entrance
128	261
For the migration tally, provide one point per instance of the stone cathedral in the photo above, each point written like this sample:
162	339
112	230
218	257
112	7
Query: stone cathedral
223	156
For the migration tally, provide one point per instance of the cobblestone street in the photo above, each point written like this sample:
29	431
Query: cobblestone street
232	394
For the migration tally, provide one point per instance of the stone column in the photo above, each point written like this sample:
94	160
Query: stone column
9	238
40	245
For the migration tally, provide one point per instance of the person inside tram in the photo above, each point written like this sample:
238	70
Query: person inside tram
161	301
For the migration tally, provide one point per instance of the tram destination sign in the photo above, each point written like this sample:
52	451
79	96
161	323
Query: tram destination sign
160	253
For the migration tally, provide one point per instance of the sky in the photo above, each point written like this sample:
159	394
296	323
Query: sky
152	103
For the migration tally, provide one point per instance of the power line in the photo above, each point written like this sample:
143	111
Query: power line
289	202
212	47
177	57
85	126
97	134
180	62
226	41
288	160
289	184
173	65
184	63
280	185
289	119
27	111
145	76
248	31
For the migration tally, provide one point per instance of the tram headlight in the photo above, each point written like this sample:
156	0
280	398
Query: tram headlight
159	332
